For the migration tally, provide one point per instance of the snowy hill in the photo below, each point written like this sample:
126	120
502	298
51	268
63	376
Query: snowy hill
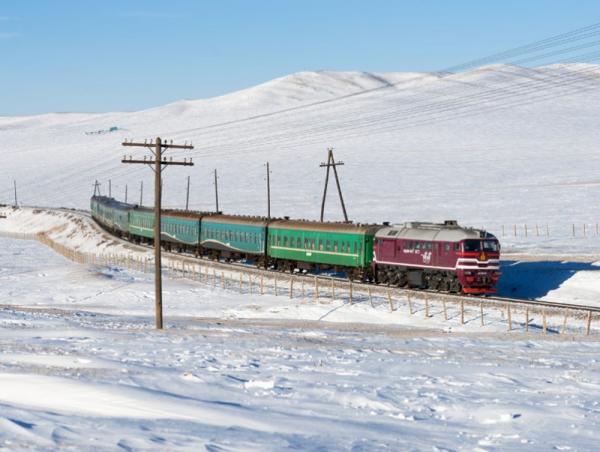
498	145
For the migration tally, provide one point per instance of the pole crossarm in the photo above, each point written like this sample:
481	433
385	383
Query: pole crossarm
163	162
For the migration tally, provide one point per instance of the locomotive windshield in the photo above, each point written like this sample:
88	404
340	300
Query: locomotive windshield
476	245
490	245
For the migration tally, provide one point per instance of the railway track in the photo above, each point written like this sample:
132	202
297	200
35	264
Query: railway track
356	288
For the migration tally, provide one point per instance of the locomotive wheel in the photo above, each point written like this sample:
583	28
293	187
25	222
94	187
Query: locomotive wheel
455	286
445	286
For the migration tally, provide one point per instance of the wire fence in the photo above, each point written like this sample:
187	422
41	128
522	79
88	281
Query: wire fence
305	288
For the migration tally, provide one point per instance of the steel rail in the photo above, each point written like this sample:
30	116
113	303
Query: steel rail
342	283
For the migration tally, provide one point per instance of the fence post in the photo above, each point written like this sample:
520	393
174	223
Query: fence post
302	287
509	316
409	303
544	320
589	323
564	325
445	310
462	311
262	284
240	281
426	306
573	229
316	288
547	230
350	299
370	297
332	289
275	285
223	284
527	318
292	286
481	312
389	299
250	283
525	230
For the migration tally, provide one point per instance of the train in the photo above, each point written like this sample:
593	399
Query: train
437	256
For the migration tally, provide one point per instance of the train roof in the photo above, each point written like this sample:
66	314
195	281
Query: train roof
448	231
113	203
237	219
303	225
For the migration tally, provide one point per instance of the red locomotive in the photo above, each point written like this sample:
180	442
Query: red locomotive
444	257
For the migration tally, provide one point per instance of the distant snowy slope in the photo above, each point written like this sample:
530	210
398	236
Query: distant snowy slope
495	145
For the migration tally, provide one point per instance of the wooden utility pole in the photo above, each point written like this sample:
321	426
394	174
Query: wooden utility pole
187	195
331	163
141	192
216	192
15	184
159	162
268	192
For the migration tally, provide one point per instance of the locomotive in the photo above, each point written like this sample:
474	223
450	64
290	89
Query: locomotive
444	257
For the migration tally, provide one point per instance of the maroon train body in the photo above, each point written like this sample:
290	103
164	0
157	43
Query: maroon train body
444	257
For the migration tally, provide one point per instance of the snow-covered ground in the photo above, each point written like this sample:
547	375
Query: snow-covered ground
81	366
85	369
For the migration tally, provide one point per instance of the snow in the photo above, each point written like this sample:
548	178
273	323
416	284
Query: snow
82	367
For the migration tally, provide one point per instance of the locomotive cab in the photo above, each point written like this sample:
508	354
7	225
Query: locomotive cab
478	265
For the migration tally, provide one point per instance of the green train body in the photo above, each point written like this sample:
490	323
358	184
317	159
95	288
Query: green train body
180	228
282	243
113	214
327	244
141	222
234	234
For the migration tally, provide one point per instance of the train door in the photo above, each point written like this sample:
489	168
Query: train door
438	253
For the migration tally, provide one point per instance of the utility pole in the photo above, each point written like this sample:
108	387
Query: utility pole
159	162
141	192
96	188
268	192
109	188
15	184
216	192
187	195
331	163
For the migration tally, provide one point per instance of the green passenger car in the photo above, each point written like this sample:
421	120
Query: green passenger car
327	244
234	234
175	227
141	222
180	227
111	213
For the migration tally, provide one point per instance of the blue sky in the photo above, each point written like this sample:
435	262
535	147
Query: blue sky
127	55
